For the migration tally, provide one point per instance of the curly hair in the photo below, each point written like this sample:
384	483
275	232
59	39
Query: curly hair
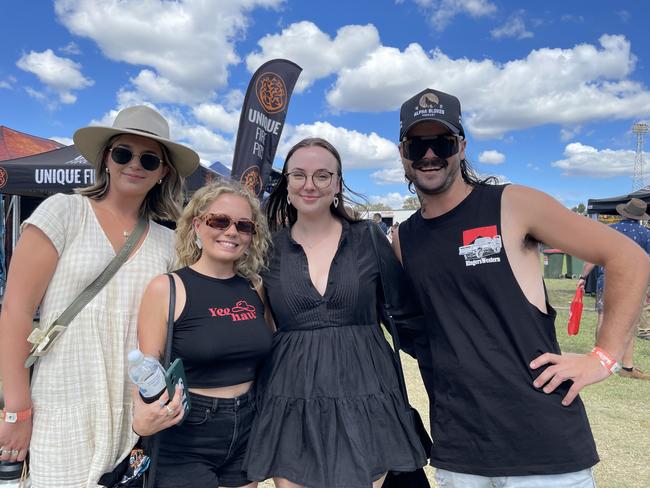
253	261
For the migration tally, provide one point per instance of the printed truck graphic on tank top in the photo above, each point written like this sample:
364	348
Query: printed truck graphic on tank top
479	244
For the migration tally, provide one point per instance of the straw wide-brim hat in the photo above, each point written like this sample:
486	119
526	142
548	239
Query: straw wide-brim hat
634	209
139	120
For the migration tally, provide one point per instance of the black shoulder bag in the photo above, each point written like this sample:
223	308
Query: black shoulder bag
417	478
122	476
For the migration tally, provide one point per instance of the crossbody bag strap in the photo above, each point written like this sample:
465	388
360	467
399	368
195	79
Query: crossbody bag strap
154	441
41	338
170	321
389	314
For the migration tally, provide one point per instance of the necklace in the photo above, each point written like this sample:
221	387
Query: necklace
125	233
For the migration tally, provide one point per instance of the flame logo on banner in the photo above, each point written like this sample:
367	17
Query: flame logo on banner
3	177
271	92
251	179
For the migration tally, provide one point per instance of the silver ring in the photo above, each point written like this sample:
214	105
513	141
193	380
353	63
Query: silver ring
170	411
14	452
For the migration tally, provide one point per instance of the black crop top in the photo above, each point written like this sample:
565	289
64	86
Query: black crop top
220	335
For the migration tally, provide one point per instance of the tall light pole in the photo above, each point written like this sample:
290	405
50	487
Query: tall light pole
638	180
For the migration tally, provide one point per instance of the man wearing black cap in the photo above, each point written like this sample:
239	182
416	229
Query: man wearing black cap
504	402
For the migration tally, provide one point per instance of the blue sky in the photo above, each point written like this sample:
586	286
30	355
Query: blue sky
549	90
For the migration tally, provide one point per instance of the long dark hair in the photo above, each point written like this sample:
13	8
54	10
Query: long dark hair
280	213
469	175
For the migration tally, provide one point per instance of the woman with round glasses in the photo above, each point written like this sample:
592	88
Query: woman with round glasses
76	421
220	334
330	409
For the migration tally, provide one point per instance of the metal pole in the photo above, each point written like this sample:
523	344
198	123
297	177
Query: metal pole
15	223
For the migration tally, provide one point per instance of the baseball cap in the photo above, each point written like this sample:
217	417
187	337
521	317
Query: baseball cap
431	105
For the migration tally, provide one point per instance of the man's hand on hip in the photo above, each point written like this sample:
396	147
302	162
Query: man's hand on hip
582	369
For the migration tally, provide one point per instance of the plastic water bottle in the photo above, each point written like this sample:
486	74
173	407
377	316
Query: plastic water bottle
11	474
147	374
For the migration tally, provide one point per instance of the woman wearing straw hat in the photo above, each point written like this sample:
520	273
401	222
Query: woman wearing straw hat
76	421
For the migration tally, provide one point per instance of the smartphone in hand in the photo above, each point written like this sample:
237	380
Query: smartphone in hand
175	375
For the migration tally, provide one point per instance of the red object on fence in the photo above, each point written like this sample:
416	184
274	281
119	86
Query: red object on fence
575	312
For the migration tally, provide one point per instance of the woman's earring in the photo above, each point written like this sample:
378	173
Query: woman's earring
160	181
198	242
336	201
107	170
288	200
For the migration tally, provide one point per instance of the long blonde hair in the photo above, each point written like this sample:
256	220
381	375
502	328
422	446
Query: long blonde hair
163	202
253	261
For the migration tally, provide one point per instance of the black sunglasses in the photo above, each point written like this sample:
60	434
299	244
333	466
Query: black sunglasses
223	222
122	155
444	146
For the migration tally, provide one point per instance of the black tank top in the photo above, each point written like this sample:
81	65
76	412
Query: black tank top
220	335
487	417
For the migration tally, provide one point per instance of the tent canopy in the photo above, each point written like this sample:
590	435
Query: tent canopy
15	144
608	205
61	171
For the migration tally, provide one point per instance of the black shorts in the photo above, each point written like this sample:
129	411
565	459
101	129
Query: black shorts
208	448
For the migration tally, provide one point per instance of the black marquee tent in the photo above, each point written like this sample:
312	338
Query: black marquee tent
61	171
607	206
33	178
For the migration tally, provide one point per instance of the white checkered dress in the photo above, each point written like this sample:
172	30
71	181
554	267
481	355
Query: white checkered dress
80	391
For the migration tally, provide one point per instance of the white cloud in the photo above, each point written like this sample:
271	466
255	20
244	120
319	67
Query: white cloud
8	83
187	46
316	52
567	134
514	28
491	157
389	176
532	166
216	117
35	94
234	100
357	150
394	200
441	12
60	75
66	141
71	49
212	147
583	160
572	18
549	86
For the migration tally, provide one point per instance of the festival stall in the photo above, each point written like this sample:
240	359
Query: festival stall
32	178
607	206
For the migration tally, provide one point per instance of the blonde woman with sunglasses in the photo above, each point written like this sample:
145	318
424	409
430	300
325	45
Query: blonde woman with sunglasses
220	333
76	420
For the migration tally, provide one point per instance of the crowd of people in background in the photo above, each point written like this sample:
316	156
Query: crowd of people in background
276	314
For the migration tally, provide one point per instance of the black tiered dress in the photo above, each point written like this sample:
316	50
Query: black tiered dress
330	411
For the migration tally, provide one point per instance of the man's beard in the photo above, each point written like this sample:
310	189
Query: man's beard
442	164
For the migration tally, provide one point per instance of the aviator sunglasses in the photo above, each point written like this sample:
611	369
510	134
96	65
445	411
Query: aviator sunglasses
444	146
223	222
122	155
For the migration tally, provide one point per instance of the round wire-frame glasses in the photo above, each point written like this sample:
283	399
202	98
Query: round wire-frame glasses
321	179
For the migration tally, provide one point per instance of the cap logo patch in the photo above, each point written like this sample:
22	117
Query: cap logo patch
428	100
